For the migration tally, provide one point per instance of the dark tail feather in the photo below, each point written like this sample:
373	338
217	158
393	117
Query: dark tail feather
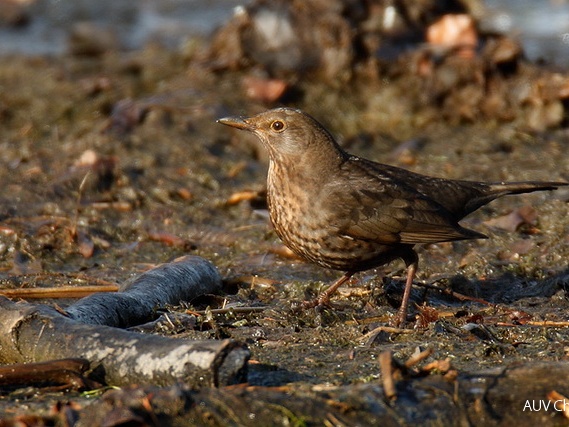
502	188
493	190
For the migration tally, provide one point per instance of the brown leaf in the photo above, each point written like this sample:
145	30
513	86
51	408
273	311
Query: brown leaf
265	90
240	196
425	316
184	193
512	221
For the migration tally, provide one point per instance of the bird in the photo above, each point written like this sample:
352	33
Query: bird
351	214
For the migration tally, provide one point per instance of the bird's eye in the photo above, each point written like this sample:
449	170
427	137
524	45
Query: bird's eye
277	126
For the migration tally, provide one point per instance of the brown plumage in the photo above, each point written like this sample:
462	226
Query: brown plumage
347	213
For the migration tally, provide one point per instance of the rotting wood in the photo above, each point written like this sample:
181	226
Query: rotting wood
37	333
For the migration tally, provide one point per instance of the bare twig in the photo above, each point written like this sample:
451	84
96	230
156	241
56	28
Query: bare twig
386	367
240	310
544	323
419	357
58	292
454	294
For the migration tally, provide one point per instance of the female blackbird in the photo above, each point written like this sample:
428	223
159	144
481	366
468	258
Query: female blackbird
347	213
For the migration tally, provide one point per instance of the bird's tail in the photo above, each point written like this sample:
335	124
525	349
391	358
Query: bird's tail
503	188
490	191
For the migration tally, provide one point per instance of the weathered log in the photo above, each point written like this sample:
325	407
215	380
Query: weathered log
181	280
36	333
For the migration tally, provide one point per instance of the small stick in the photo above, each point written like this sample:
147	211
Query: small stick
456	295
544	323
386	367
242	310
416	358
59	292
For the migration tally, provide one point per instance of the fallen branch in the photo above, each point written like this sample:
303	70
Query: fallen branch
181	280
36	333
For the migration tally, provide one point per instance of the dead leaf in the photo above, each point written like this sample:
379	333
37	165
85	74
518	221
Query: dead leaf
512	221
240	196
264	90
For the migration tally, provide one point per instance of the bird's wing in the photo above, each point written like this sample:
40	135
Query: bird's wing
379	209
403	220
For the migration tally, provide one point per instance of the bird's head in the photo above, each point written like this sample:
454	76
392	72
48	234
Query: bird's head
288	134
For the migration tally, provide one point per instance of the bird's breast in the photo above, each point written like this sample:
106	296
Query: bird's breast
306	224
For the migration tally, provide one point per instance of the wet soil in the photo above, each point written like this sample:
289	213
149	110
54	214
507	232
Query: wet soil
111	164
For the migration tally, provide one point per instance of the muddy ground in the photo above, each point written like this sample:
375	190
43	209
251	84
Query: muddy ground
113	163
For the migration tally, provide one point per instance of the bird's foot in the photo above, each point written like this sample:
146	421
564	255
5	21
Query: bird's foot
401	318
398	321
322	301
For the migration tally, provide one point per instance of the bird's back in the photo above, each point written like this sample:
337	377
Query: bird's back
458	197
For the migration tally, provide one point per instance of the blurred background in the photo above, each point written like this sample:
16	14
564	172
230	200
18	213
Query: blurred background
47	26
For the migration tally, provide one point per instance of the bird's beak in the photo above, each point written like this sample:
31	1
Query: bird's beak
236	122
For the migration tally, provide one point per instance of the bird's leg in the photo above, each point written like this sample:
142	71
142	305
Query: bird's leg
324	298
412	261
